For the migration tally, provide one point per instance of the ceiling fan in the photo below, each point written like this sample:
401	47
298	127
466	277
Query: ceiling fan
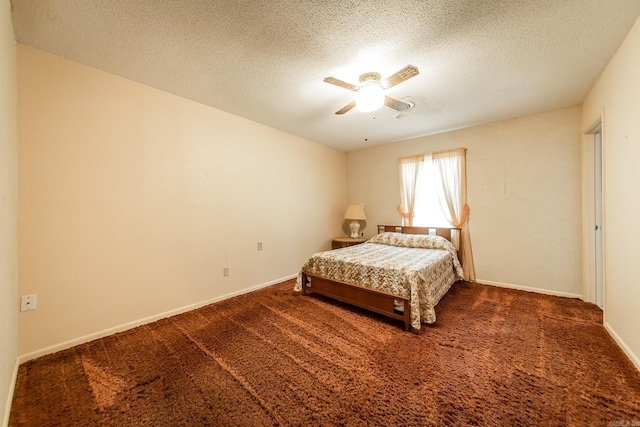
371	92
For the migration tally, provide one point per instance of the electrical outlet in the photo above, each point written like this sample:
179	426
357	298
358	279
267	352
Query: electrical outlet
28	302
259	246
225	271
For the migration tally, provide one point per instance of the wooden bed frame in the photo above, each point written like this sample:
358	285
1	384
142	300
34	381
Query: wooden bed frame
370	299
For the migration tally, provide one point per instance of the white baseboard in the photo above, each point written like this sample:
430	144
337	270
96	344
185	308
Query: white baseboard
528	289
81	340
634	359
12	387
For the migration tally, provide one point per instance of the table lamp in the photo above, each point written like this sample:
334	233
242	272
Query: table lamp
355	213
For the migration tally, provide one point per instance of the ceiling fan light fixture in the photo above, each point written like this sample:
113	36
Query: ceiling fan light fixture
370	97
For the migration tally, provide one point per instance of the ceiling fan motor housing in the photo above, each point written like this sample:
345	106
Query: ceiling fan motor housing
370	77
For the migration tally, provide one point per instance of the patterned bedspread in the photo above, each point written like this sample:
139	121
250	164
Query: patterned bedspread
420	267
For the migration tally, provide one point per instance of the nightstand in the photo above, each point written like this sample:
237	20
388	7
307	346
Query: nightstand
343	242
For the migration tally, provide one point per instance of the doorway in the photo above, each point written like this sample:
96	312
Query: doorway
593	215
597	207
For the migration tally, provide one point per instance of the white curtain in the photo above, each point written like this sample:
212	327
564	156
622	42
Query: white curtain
409	169
450	175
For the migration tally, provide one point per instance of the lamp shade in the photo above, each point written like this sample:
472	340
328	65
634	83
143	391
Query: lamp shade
355	212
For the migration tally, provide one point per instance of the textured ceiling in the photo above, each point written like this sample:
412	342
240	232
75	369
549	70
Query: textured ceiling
479	60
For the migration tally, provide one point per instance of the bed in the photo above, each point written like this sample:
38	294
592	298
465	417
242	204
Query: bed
402	273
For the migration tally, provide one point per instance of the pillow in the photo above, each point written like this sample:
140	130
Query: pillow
425	241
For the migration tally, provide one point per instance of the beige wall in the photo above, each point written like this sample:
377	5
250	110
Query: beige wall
8	206
524	190
617	94
132	201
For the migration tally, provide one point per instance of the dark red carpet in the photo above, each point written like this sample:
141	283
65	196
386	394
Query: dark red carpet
496	357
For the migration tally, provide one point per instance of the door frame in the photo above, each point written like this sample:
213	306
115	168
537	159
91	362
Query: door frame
589	223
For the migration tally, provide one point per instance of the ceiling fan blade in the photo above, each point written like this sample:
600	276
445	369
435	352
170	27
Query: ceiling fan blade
337	82
346	108
395	104
405	74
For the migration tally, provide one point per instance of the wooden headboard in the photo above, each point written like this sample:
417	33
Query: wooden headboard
446	232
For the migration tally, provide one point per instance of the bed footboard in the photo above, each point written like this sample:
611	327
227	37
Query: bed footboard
360	296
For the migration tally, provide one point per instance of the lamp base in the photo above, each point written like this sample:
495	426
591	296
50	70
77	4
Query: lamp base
355	228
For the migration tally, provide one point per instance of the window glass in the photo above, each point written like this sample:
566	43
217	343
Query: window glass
427	205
